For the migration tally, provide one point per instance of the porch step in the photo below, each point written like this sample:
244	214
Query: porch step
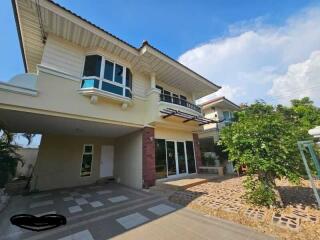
185	183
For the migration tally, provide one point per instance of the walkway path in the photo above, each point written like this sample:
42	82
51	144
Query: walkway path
114	211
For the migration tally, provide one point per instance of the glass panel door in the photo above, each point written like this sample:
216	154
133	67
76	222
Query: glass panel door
181	158
161	163
190	157
171	158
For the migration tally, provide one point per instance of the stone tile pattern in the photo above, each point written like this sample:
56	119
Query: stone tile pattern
132	220
161	209
83	235
286	221
226	196
148	157
256	213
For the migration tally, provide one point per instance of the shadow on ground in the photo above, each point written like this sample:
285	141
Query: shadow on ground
293	195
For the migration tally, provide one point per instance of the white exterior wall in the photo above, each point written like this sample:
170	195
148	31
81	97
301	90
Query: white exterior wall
63	56
69	58
128	160
59	161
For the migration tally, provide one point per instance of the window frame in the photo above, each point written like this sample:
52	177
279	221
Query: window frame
86	153
113	82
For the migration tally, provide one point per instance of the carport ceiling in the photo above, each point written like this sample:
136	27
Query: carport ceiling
21	122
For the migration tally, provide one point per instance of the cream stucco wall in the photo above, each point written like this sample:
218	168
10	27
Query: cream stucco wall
59	95
59	161
128	160
170	134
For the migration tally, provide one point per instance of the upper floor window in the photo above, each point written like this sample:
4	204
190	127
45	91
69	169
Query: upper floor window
92	66
107	76
228	116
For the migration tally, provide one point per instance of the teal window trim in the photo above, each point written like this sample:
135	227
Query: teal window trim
113	85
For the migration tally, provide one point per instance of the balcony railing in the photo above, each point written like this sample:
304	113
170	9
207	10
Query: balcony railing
179	101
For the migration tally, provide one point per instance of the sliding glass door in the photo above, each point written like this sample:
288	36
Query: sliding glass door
190	157
181	158
171	158
161	160
174	158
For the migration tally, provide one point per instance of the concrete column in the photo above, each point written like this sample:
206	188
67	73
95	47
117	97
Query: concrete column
196	145
148	157
153	81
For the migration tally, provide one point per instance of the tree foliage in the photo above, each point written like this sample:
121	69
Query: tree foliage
264	138
9	157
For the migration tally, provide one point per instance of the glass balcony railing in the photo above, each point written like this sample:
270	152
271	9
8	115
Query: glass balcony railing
179	101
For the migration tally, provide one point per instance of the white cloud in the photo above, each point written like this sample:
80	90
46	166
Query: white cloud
301	79
254	54
226	91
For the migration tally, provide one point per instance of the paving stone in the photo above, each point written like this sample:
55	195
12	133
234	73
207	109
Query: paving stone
41	204
231	208
41	195
73	194
75	209
103	192
286	221
83	235
66	199
86	195
255	213
45	213
161	209
118	199
132	220
305	216
81	201
96	204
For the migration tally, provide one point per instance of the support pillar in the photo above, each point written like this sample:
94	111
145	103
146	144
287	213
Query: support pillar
148	157
196	145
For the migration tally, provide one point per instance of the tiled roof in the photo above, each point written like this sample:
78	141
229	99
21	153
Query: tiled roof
216	100
144	43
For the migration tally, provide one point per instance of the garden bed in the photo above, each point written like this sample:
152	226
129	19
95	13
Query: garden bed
298	219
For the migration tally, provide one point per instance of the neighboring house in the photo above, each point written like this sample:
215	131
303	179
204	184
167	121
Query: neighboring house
29	157
221	110
104	108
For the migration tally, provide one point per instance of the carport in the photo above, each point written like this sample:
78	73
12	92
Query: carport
77	152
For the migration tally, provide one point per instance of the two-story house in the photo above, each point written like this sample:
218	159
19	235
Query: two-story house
104	108
220	110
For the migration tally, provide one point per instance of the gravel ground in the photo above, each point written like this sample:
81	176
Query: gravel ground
298	219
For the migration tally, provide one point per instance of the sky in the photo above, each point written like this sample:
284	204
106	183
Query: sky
266	50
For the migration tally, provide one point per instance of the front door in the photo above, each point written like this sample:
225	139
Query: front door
106	161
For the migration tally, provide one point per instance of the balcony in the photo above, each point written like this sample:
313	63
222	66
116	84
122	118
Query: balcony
179	101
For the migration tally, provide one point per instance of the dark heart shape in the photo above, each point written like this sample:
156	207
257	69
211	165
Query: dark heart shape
38	224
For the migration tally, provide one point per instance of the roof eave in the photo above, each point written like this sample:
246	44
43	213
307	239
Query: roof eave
15	13
147	47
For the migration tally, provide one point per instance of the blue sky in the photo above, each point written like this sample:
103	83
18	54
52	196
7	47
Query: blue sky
185	29
255	49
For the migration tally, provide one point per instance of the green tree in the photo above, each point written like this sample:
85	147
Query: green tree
264	140
8	154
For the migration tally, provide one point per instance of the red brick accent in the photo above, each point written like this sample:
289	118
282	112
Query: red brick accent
196	145
148	157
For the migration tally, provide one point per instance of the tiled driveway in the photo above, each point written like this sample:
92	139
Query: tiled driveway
111	210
